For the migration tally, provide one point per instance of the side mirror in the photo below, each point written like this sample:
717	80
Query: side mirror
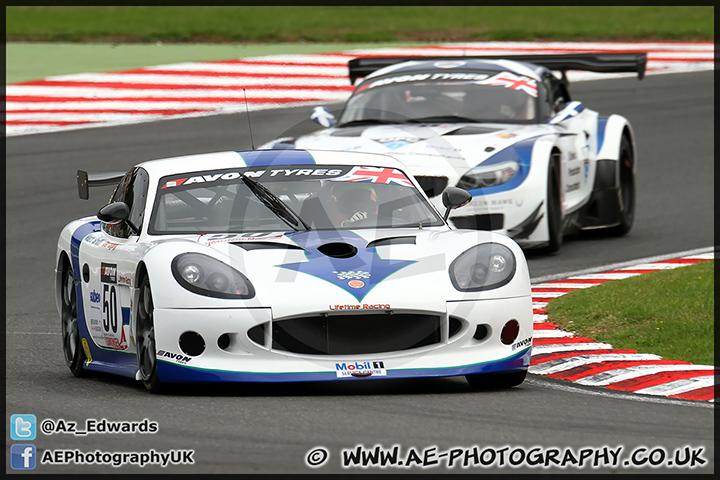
114	213
323	116
572	109
454	197
117	212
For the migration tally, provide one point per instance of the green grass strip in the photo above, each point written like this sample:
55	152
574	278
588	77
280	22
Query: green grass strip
669	313
367	23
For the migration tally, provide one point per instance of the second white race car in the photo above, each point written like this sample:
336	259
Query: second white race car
538	165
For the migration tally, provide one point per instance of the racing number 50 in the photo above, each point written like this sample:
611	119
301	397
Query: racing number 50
110	308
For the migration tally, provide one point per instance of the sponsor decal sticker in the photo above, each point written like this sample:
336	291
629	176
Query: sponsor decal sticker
275	173
572	187
86	347
94	296
177	357
395	143
364	306
109	245
459	76
418	77
108	273
244	237
352	275
174	183
360	369
526	342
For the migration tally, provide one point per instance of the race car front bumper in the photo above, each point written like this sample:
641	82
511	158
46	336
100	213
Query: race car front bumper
237	345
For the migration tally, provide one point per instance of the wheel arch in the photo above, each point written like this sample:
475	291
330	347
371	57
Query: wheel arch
612	129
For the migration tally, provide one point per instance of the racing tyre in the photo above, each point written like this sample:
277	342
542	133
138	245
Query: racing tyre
626	192
496	381
554	213
72	348
145	326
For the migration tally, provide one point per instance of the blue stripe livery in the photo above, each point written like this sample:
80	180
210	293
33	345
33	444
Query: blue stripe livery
110	361
521	152
357	274
265	158
601	123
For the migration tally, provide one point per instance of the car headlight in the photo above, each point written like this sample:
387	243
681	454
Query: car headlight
208	276
482	267
488	176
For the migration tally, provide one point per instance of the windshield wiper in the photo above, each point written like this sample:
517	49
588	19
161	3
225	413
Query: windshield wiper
441	118
275	205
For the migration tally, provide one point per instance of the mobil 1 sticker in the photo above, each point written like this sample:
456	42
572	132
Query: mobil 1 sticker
360	369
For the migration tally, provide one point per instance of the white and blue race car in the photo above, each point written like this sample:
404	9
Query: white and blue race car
287	266
537	164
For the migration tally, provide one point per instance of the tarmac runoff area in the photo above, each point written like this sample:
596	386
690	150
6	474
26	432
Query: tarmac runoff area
560	354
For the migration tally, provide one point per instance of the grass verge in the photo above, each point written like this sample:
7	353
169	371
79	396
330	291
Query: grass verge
669	313
367	23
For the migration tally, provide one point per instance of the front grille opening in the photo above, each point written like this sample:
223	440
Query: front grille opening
355	334
481	332
455	327
492	221
257	334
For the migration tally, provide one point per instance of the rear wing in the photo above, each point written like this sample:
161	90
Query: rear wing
592	62
86	180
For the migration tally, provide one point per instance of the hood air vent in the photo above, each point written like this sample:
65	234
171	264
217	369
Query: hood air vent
391	241
472	130
338	250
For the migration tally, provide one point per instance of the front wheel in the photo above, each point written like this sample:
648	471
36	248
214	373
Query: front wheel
496	381
145	326
72	349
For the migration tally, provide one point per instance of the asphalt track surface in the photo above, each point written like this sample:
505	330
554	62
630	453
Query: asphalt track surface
271	428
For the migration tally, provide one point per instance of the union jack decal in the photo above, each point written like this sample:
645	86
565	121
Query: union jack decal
516	82
376	175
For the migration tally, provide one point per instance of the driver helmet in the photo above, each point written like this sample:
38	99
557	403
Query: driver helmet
351	197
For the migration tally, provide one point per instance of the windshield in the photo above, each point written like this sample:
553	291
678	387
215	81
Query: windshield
317	197
444	97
